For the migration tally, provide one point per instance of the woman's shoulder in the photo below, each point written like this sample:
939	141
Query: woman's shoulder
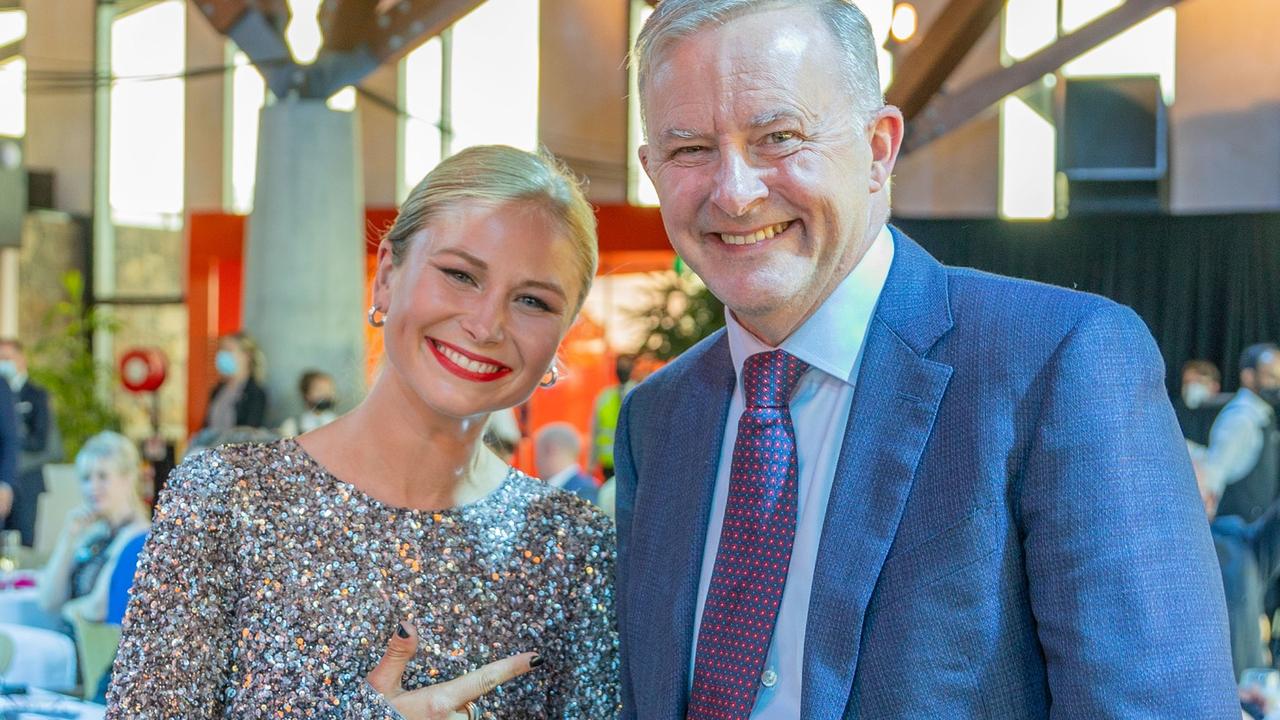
229	471
564	515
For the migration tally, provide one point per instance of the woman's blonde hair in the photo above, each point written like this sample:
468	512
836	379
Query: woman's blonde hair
115	449
497	174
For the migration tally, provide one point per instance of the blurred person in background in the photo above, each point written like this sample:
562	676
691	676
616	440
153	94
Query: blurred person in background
319	396
388	564
76	580
1240	466
557	447
10	443
604	416
38	436
1200	400
238	398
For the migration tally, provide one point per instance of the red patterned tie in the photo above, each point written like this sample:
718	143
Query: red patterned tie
755	544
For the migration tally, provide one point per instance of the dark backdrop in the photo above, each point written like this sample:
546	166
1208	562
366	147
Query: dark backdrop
1207	285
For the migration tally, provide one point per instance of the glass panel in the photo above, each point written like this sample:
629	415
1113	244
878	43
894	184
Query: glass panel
422	74
303	33
1029	25
1027	162
343	100
1076	13
248	92
640	190
495	75
13	26
13	97
146	125
1144	49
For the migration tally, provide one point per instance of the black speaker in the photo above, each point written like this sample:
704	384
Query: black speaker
1113	144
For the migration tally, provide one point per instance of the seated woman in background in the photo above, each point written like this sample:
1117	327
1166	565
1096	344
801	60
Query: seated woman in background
77	579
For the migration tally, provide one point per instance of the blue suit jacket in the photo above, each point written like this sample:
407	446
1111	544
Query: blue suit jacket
1014	529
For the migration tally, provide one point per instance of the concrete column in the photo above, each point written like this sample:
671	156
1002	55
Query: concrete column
304	297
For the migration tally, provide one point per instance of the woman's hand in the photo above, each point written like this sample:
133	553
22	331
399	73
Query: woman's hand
79	519
443	701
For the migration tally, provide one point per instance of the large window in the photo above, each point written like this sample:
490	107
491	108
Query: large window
480	87
146	122
13	75
1027	134
246	93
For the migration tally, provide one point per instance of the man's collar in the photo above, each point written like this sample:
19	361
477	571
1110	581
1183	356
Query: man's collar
831	339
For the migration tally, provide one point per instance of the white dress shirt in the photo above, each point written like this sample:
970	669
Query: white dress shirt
1235	441
831	341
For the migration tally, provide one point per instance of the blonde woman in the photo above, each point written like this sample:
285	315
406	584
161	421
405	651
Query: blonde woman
388	565
77	578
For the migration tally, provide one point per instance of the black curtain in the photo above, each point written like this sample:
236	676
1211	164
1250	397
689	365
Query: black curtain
1206	285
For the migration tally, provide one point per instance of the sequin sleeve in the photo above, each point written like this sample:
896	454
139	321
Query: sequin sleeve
175	650
587	686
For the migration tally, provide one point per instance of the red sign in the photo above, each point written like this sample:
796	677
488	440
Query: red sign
143	369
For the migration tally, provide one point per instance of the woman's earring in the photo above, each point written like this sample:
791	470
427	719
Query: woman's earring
551	378
374	320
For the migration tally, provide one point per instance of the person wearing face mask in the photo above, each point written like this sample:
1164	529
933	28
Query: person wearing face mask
1240	465
38	436
238	399
1200	400
388	564
318	391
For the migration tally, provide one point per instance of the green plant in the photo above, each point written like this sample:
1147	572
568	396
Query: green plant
62	361
682	313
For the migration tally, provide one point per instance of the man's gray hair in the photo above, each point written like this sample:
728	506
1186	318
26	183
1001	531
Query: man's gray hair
674	20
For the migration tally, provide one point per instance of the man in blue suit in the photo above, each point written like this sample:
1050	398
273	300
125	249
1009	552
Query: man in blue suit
888	489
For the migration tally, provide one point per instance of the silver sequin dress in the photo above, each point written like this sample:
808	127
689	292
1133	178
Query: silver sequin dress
269	589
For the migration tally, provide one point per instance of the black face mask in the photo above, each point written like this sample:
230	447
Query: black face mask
322	405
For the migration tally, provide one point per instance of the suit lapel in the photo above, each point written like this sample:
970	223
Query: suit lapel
668	549
894	407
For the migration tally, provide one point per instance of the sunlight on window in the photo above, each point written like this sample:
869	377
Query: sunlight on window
1029	25
420	130
13	26
303	34
1026	162
13	97
248	92
146	122
640	190
1076	13
344	100
495	75
1144	49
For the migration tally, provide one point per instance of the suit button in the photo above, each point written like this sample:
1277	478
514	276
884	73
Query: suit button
768	678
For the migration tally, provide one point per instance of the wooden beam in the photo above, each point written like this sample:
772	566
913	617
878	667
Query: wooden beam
11	50
948	39
222	14
346	24
948	112
408	23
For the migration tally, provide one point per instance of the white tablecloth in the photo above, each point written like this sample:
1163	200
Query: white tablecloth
21	607
45	705
41	658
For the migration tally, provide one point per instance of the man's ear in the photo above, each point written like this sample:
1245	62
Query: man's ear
885	137
645	154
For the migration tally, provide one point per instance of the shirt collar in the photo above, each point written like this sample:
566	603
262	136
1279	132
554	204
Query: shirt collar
831	339
561	478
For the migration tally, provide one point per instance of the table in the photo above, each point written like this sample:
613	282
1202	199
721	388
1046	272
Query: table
42	704
22	607
41	658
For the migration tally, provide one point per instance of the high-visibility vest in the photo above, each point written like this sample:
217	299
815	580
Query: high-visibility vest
608	407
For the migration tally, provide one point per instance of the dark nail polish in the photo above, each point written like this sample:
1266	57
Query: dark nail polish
402	632
536	661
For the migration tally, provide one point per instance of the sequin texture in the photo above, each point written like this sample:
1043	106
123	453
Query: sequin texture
269	589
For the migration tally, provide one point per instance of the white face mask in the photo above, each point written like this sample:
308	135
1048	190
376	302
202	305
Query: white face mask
1195	394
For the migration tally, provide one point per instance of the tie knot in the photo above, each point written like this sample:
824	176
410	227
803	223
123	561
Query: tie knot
768	378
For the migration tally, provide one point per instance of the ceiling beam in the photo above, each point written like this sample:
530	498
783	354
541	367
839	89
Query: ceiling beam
952	34
11	50
346	24
948	112
407	24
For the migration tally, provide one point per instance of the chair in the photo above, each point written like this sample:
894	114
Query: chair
96	645
62	492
